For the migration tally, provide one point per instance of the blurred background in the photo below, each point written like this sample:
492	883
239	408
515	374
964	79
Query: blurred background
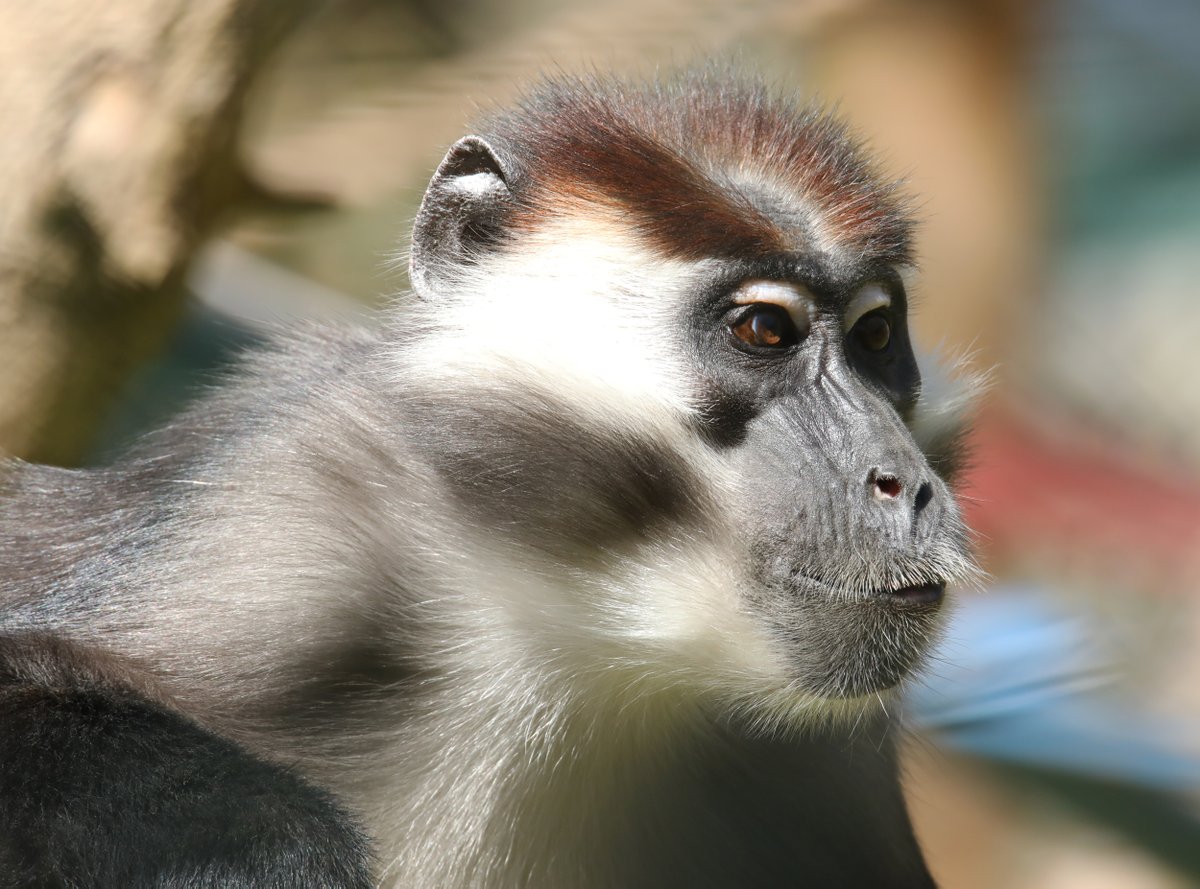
176	176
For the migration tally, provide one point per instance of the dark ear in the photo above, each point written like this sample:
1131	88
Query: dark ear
461	214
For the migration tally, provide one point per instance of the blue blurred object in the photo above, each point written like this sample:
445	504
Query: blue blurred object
1017	684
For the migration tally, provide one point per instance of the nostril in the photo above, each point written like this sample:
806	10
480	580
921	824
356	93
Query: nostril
924	495
887	487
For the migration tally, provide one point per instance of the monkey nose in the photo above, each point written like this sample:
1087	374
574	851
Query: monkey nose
886	485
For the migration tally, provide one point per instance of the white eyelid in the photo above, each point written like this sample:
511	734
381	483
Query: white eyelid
868	299
792	297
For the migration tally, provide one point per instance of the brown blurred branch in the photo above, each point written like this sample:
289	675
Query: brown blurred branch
118	156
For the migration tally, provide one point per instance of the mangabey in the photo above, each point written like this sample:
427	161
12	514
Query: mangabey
589	568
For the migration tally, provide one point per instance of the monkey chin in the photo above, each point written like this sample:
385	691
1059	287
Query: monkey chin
846	648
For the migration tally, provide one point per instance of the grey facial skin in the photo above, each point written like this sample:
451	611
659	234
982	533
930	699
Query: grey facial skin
592	566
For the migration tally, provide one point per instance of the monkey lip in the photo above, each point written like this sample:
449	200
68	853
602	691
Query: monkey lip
919	594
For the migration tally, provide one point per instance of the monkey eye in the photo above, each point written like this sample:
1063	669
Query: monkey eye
873	331
765	326
867	319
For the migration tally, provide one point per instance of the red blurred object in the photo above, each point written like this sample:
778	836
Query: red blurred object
1042	483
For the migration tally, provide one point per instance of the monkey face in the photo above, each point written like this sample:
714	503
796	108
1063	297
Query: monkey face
851	535
663	368
693	470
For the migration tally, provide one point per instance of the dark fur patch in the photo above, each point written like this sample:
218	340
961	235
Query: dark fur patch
666	154
103	785
527	462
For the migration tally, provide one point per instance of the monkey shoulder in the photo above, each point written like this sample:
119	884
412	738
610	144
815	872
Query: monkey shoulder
102	784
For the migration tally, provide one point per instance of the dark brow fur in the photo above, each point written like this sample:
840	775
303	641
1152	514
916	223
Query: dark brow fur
662	153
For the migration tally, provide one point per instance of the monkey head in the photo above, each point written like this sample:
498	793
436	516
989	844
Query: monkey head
661	353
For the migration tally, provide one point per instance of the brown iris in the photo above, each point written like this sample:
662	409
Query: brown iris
873	331
765	326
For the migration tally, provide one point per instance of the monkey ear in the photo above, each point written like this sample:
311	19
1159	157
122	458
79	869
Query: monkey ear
461	214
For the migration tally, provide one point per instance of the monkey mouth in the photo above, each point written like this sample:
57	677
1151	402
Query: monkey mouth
845	641
930	593
925	595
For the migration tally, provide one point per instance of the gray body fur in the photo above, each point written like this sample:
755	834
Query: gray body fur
469	767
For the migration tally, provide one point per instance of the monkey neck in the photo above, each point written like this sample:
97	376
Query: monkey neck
550	787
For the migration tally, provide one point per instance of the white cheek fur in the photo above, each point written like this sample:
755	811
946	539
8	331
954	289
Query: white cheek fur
581	307
588	315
